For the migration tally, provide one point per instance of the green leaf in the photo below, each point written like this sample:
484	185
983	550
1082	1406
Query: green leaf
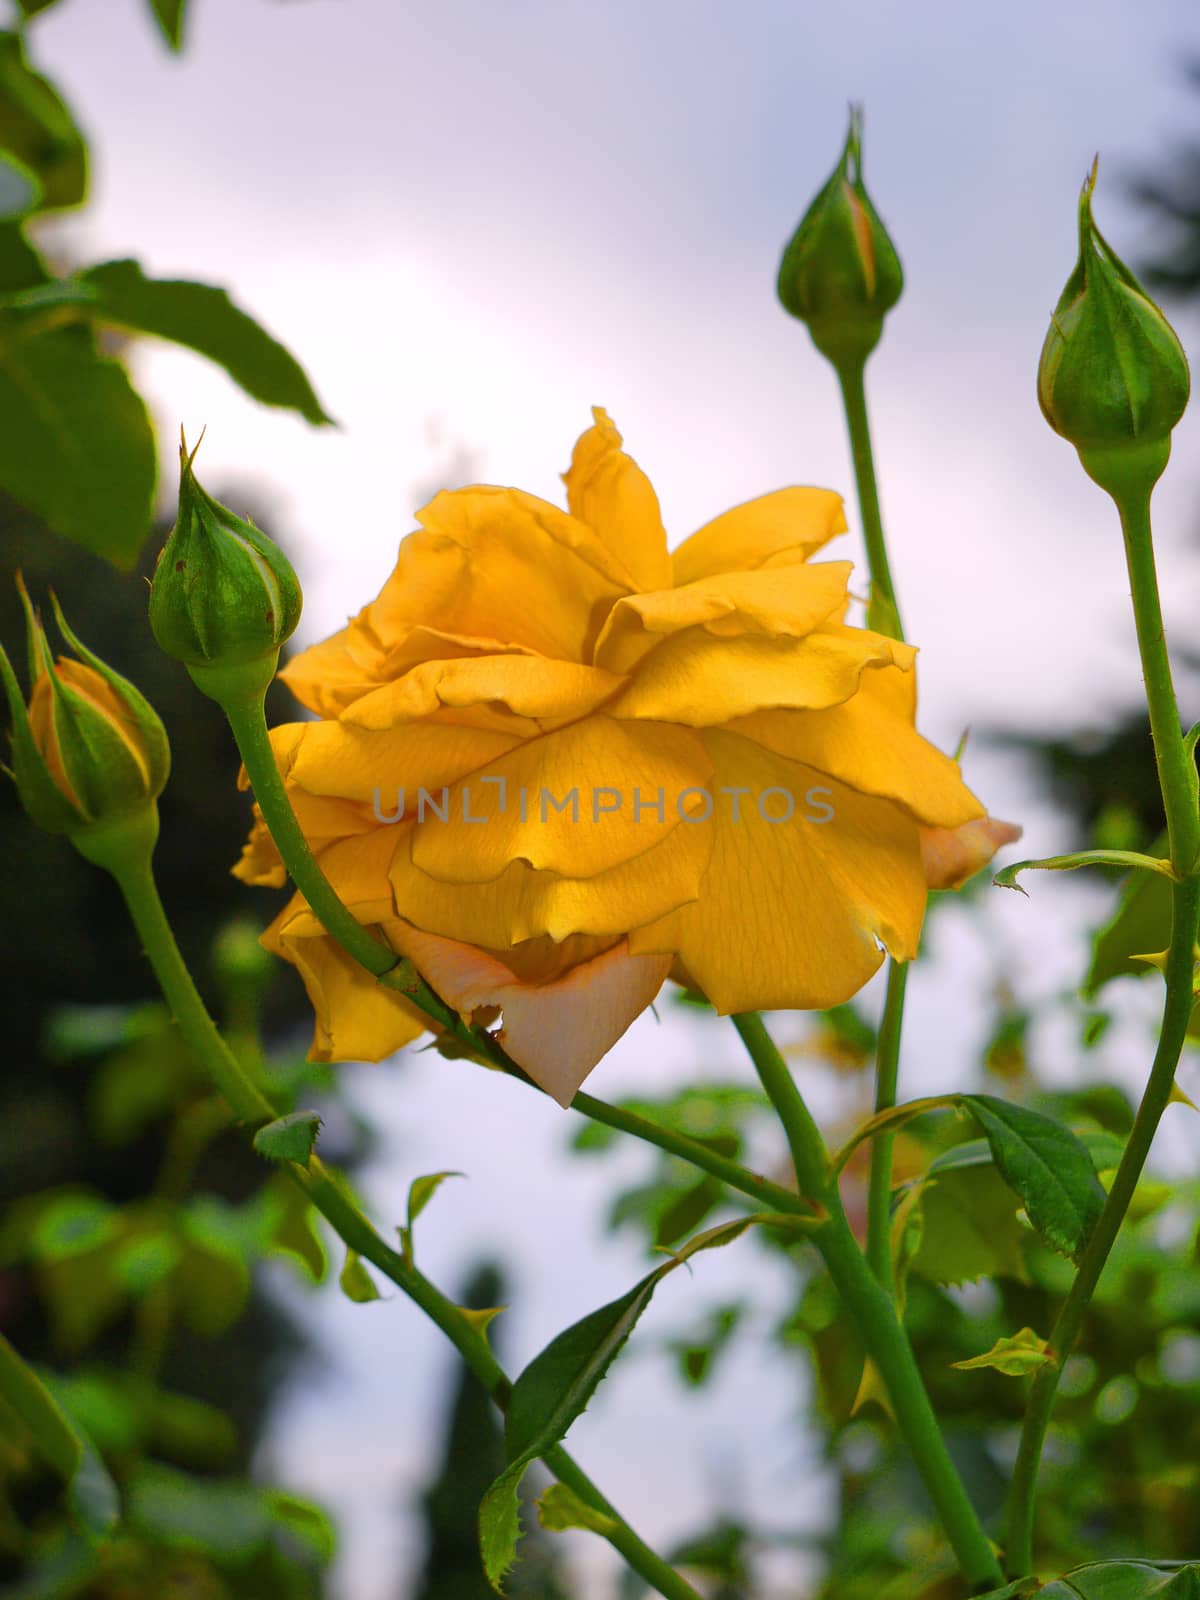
305	1522
1048	1167
1012	1591
291	1227
422	1190
31	8
1016	1356
205	320
74	1223
20	188
561	1508
290	1138
1127	1580
169	14
93	1495
37	128
558	1384
227	1520
76	445
969	1228
20	265
356	1282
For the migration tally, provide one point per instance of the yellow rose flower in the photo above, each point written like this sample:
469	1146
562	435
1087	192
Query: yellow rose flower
555	763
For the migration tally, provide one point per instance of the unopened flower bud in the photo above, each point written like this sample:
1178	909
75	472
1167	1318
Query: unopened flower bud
89	750
224	596
840	273
1113	378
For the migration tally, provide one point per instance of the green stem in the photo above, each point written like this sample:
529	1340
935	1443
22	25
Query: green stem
1177	1012
887	1066
884	612
874	1312
1177	779
1176	764
883	615
135	878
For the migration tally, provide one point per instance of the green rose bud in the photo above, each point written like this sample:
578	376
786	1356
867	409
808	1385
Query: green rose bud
840	273
224	596
89	752
1113	378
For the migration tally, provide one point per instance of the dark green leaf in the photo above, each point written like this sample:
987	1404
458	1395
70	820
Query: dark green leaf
37	128
290	1138
31	8
93	1494
556	1387
76	445
1127	1580
169	15
205	320
20	265
1048	1167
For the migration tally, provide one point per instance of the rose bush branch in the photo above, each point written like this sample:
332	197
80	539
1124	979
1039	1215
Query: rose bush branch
840	275
1114	381
873	1311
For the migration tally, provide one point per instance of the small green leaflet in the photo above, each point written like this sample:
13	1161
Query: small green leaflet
561	1508
290	1138
169	16
356	1282
420	1192
1016	1356
557	1385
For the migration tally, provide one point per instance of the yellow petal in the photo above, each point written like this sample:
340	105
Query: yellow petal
695	679
771	604
356	1018
557	1031
869	742
610	492
790	912
497	564
327	677
952	855
774	530
376	768
260	863
523	903
541	693
576	802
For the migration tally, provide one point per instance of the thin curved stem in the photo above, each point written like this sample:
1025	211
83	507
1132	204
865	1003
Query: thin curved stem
884	612
251	1107
1177	780
887	1069
873	1311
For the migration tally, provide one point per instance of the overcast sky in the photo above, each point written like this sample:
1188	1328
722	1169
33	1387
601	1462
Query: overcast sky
472	222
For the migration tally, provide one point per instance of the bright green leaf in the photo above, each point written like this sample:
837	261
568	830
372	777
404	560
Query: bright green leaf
1048	1167
205	320
969	1228
76	447
37	128
1015	1356
74	1223
290	1138
305	1522
422	1190
561	1508
356	1282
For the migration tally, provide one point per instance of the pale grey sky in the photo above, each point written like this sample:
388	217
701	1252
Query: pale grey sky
472	222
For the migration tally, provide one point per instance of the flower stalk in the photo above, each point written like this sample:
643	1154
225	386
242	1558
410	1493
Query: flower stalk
132	869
